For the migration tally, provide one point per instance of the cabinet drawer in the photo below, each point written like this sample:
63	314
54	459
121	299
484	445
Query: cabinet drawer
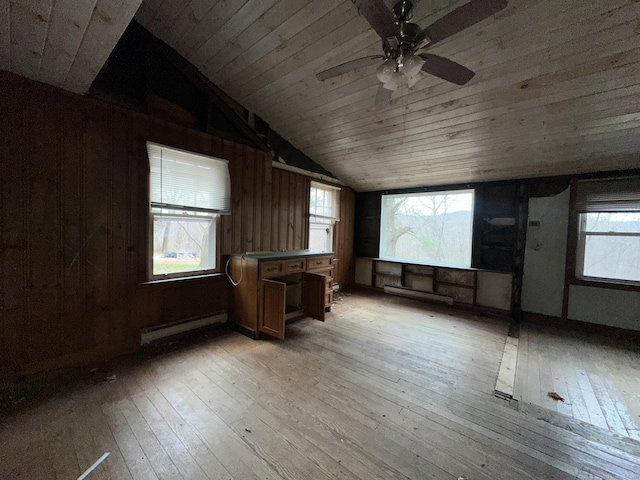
323	271
319	262
293	266
329	283
271	269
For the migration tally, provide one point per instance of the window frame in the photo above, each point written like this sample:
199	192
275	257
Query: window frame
582	235
330	227
325	221
214	246
382	237
605	194
158	210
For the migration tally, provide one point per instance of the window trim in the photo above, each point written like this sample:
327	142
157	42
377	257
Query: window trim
214	215
331	227
215	246
326	221
581	239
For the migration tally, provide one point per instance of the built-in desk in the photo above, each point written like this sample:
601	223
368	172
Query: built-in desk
278	286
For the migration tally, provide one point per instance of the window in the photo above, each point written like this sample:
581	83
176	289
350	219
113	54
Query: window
323	213
188	193
432	228
609	230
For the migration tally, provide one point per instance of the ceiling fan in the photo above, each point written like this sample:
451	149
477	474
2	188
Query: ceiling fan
403	40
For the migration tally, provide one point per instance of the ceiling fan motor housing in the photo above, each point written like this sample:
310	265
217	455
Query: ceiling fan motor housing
404	44
403	11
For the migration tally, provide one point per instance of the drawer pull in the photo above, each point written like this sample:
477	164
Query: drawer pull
319	262
271	269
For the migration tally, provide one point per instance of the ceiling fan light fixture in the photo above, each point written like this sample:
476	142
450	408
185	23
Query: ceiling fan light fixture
412	65
386	70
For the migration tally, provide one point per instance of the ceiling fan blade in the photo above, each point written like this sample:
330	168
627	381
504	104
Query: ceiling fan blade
348	67
457	20
379	17
446	69
383	96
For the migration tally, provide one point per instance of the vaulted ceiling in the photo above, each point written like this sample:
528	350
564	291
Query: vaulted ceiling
556	90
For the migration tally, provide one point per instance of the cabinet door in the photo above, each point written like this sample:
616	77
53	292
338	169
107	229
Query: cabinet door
313	289
272	308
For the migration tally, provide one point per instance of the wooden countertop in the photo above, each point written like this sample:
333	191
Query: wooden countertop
286	255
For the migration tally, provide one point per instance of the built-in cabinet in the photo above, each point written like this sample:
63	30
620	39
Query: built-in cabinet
444	284
274	287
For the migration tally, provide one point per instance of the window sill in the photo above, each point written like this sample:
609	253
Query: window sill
182	279
605	283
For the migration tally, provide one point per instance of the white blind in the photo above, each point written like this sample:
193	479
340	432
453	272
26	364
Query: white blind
324	204
187	180
609	195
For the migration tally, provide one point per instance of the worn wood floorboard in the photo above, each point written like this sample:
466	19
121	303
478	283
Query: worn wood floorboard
386	388
598	378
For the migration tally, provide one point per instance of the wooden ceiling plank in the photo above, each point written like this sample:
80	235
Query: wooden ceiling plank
289	73
147	11
200	30
189	19
405	147
69	22
108	22
620	140
521	161
533	165
557	139
273	22
28	33
276	59
166	15
248	14
454	136
274	39
315	42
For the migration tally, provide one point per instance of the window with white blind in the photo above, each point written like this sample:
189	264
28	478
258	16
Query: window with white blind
188	193
609	230
324	212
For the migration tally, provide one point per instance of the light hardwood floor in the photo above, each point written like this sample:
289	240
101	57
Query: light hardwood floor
386	388
599	379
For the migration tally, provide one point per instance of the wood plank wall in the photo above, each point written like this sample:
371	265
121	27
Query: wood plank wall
74	226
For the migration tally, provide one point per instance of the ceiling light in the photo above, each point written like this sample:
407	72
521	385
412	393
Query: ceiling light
412	65
386	70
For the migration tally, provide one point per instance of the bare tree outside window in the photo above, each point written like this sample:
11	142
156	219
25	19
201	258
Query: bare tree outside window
432	228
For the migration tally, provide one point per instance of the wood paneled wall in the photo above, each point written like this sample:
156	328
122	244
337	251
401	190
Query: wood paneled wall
74	226
344	237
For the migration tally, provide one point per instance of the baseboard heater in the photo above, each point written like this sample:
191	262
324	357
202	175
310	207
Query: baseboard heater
408	292
152	334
